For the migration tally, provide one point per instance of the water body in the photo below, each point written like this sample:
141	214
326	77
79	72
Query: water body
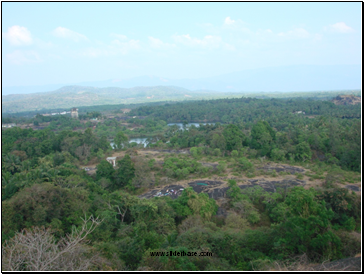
136	140
144	140
180	125
139	141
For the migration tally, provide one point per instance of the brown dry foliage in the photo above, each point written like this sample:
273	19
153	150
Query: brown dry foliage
302	263
37	249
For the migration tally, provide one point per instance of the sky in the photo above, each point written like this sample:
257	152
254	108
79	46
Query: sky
68	42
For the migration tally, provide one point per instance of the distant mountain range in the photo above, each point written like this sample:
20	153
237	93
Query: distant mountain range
282	79
153	89
76	96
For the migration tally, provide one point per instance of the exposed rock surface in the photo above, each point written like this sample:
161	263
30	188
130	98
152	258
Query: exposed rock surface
218	189
272	185
282	168
354	188
177	151
171	190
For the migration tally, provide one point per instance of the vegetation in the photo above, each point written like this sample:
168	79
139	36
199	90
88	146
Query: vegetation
47	194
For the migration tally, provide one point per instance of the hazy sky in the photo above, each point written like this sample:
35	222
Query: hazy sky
54	43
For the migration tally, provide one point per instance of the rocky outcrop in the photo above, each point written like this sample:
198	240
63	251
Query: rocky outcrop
172	191
272	185
282	168
354	188
218	189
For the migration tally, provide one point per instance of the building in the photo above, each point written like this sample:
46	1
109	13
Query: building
8	125
111	160
125	110
74	112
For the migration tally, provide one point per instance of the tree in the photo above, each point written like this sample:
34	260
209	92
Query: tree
306	226
235	221
278	154
218	142
234	192
262	137
194	152
234	153
88	137
83	152
120	140
234	137
104	170
36	249
244	164
41	203
11	163
143	176
125	172
303	152
58	159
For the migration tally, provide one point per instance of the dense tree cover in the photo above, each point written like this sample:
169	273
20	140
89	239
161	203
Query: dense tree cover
43	187
325	140
133	227
90	115
245	110
147	127
268	126
120	140
37	156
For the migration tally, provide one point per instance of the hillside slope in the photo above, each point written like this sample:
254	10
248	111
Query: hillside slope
71	96
346	100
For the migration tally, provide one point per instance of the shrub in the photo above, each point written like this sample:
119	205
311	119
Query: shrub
234	221
299	176
350	244
244	163
234	153
278	154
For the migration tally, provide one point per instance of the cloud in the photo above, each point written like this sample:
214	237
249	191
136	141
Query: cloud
125	47
209	41
296	33
69	34
119	36
19	57
95	52
18	36
116	47
340	27
235	25
317	37
229	21
159	44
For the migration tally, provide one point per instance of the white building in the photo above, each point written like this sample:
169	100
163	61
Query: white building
111	160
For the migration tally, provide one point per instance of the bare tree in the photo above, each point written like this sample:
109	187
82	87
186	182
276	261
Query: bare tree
82	152
36	249
143	175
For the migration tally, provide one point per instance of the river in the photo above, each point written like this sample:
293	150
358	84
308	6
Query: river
180	125
136	140
144	140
